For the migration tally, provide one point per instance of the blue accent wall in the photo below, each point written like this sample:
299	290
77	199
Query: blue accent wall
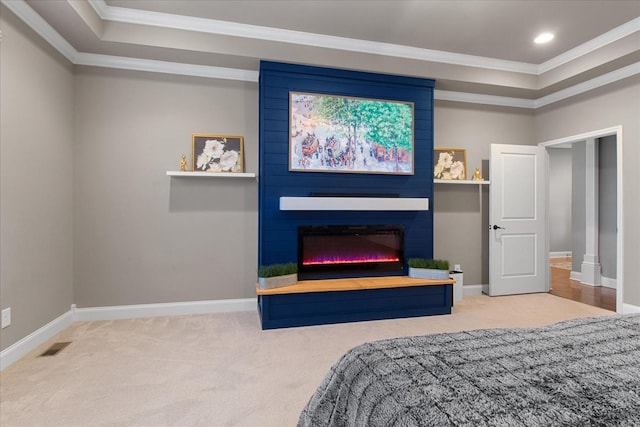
278	229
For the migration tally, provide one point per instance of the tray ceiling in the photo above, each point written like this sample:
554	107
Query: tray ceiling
471	48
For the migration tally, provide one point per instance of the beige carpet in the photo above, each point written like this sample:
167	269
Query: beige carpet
218	369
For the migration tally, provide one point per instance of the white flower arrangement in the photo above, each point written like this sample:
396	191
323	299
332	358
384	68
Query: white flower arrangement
448	168
214	158
228	160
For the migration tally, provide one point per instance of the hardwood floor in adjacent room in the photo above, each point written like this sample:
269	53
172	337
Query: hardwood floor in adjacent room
563	286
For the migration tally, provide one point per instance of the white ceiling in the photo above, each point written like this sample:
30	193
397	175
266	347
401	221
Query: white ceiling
471	47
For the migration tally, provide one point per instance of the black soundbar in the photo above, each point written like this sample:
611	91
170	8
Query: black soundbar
376	195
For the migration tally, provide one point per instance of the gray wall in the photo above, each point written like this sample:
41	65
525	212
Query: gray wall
461	212
607	199
612	105
36	174
578	194
141	236
559	199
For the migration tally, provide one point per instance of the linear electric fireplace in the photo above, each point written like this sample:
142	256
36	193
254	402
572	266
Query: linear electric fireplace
334	251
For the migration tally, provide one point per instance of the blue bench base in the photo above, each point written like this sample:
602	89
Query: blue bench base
319	308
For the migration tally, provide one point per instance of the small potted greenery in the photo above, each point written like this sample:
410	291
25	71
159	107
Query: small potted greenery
422	268
277	275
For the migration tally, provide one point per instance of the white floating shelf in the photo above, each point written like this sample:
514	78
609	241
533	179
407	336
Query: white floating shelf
465	181
211	174
353	204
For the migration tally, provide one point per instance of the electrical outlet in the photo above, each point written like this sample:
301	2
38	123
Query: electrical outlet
6	317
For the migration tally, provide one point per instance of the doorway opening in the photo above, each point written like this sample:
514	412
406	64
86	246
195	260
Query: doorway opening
589	269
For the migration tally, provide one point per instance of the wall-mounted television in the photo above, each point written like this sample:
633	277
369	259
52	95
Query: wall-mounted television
331	133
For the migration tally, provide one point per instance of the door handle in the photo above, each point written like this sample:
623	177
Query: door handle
496	227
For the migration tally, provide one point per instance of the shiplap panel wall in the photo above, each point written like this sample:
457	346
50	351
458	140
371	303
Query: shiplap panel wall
278	229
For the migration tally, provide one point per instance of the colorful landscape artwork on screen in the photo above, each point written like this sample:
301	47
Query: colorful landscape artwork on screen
329	133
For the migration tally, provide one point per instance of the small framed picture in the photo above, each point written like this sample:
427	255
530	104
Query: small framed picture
450	163
217	153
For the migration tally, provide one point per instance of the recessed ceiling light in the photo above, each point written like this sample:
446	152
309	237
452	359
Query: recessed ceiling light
543	38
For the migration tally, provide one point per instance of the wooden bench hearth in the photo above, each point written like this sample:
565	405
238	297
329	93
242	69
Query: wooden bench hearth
316	302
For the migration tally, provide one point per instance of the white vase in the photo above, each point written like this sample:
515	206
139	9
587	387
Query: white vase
277	281
428	273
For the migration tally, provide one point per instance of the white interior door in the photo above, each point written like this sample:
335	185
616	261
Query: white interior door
517	244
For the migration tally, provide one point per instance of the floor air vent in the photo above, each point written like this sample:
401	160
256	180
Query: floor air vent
55	348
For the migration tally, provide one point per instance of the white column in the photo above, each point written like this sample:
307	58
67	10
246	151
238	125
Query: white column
591	261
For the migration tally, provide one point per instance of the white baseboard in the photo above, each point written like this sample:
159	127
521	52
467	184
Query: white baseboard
608	282
560	254
629	309
21	348
470	290
27	344
164	309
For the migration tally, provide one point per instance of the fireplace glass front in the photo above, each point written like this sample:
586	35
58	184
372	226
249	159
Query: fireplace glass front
334	251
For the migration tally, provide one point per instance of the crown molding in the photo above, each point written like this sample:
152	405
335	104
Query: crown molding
605	79
21	9
602	40
153	66
190	23
474	98
211	26
175	68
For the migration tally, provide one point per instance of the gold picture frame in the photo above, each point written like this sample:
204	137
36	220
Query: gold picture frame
450	163
217	153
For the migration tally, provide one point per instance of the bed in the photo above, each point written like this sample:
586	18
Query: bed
583	372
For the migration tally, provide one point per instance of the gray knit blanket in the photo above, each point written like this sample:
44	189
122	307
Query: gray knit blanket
583	372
